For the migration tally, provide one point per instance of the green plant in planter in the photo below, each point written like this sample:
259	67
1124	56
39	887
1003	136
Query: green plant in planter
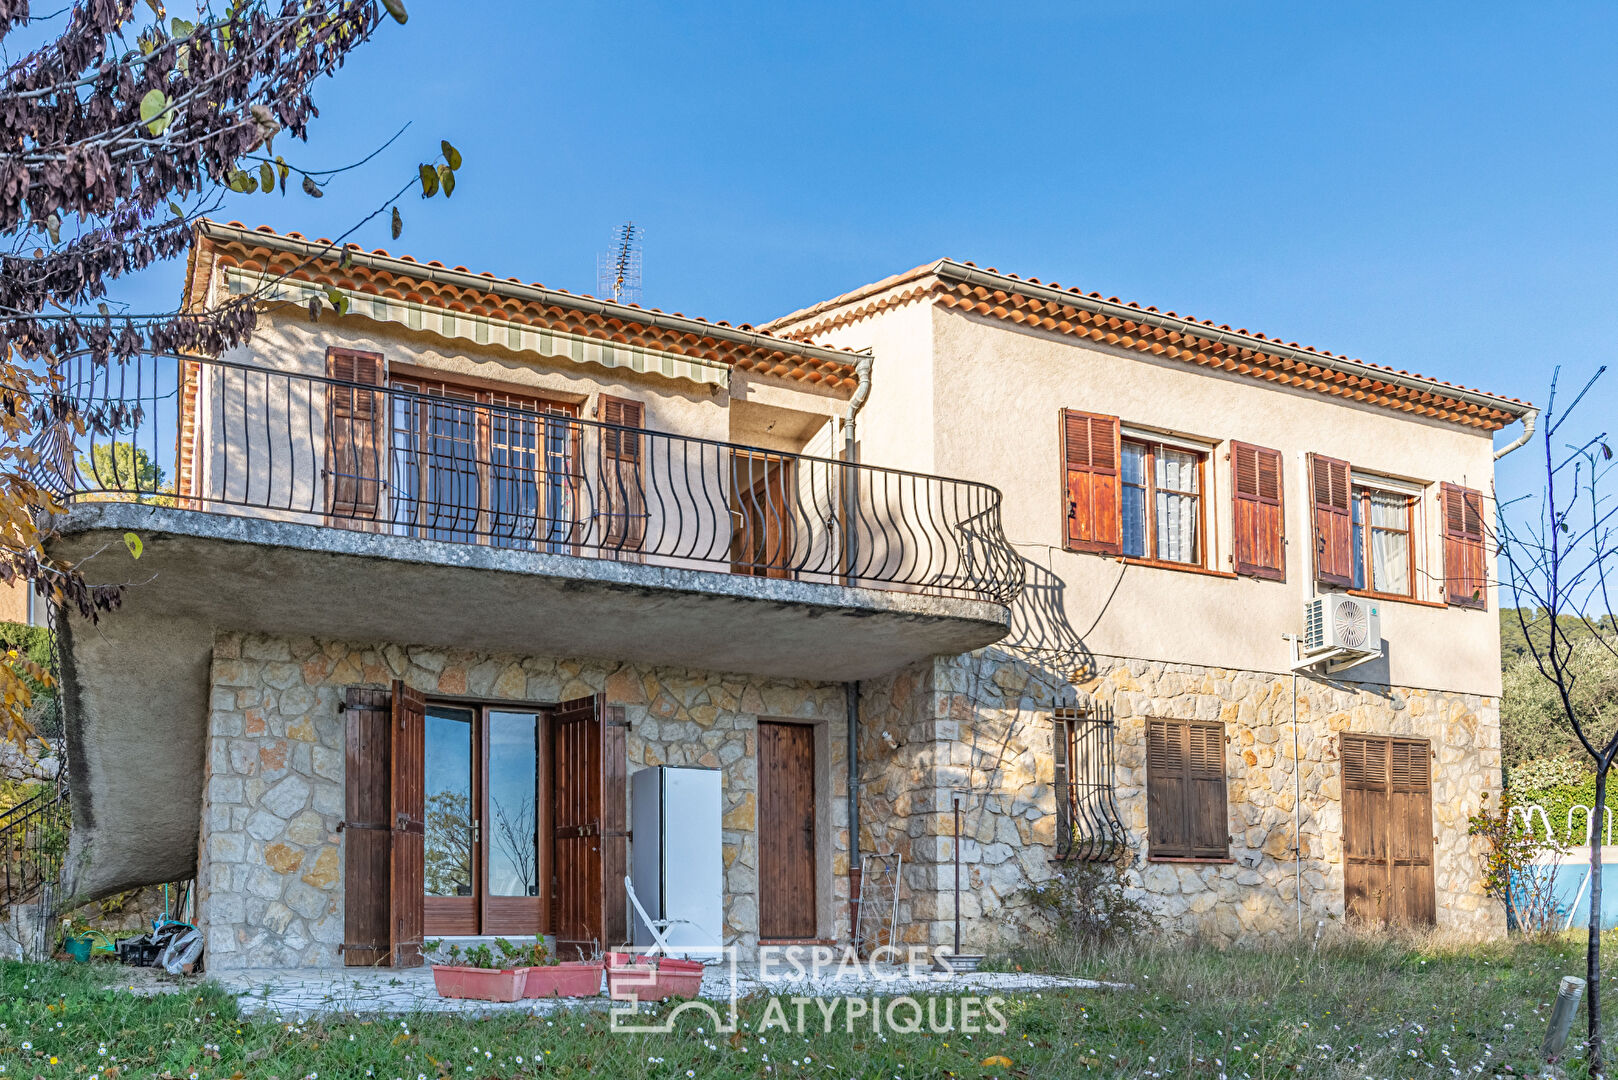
480	956
526	955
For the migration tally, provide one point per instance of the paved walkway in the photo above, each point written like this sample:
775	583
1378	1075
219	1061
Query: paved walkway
291	994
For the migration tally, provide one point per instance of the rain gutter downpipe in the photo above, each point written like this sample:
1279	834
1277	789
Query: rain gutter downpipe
851	690
1529	419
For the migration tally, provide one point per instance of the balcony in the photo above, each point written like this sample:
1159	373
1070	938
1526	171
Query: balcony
293	503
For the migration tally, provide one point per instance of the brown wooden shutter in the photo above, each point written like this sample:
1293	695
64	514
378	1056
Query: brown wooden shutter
589	827
1465	566
354	434
1260	528
1388	830
1334	527
1187	814
623	496
1059	769
367	834
407	798
1092	507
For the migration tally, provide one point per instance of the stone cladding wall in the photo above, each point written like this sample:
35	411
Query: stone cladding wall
979	727
270	874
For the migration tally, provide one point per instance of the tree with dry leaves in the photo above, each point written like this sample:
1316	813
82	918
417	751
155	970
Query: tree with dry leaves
117	132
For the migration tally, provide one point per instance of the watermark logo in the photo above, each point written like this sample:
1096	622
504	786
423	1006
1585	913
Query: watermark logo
808	989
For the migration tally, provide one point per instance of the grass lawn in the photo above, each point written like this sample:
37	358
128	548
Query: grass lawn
1416	1008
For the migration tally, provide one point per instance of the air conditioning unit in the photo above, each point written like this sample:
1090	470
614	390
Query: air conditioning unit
1339	631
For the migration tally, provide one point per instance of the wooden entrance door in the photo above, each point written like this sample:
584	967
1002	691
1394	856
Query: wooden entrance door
590	827
1388	830
786	831
486	791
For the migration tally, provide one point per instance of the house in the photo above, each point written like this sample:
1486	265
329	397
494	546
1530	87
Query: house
447	558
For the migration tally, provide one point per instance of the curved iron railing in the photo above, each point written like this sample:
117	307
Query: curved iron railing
442	462
33	842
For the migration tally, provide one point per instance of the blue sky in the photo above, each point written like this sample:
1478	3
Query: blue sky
1427	186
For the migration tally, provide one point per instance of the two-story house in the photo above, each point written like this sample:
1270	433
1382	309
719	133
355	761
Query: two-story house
444	560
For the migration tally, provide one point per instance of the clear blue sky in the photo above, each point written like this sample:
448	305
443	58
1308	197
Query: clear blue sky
1427	186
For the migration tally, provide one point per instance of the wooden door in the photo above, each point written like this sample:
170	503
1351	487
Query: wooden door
763	511
589	854
786	831
367	835
1388	830
406	861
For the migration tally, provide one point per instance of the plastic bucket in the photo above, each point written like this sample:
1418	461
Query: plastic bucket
79	948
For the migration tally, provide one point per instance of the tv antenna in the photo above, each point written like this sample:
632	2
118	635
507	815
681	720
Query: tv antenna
618	270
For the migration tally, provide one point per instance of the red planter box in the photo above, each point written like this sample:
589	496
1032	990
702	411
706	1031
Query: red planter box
651	978
571	978
479	984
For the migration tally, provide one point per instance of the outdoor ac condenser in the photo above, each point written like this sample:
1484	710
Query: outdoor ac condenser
677	858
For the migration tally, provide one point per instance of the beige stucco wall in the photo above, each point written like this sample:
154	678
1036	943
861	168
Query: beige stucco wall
270	871
979	728
14	602
986	408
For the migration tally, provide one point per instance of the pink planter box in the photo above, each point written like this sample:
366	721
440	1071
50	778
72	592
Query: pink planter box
571	978
479	984
644	978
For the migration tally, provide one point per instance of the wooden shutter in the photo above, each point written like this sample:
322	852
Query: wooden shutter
1465	568
1388	830
1258	514
1187	815
407	798
1092	506
1059	768
354	435
366	831
623	496
1334	527
590	827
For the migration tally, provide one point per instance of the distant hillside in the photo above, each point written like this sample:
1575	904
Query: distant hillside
1514	644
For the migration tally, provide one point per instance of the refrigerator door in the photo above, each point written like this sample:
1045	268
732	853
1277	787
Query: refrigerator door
645	851
693	861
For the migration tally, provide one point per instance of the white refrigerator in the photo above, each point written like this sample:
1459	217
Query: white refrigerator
677	858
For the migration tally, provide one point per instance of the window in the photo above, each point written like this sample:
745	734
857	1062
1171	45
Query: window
1088	826
1186	813
1162	502
1382	528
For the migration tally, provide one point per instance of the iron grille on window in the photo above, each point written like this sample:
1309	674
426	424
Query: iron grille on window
1088	826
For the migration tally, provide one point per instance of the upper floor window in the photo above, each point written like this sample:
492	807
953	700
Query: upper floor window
1382	550
1162	502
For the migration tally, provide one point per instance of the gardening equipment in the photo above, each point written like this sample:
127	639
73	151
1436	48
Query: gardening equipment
957	960
78	948
480	984
571	978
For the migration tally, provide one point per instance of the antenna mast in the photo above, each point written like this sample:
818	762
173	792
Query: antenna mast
618	270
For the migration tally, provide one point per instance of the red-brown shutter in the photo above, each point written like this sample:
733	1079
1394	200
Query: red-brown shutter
623	497
407	798
1092	507
367	717
354	434
1334	526
1465	578
1259	516
590	827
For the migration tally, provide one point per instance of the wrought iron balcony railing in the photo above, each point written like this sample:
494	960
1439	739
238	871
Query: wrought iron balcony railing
440	462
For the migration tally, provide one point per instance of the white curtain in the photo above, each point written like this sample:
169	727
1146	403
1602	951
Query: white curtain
1177	510
1390	543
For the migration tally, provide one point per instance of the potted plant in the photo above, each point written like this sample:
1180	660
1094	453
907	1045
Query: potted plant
549	977
479	979
638	977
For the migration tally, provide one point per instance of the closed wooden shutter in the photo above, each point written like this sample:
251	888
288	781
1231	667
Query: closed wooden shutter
367	834
1259	516
1187	814
1334	527
1059	767
1092	507
407	797
590	827
1465	568
1387	830
354	435
623	453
